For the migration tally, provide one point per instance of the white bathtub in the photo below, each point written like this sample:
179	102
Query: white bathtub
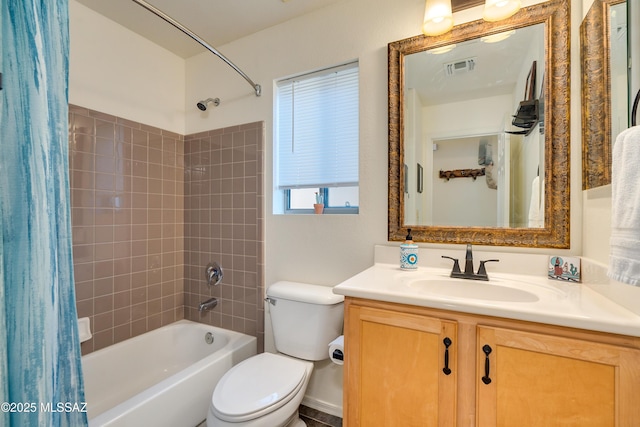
162	378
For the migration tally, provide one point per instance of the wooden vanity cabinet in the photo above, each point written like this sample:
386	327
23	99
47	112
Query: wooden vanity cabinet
503	372
395	368
544	380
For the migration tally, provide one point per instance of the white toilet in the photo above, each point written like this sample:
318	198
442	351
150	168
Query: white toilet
266	390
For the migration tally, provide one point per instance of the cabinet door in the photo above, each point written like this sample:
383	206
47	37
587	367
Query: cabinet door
395	369
531	379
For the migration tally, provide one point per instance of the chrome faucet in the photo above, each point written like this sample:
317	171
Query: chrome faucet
468	267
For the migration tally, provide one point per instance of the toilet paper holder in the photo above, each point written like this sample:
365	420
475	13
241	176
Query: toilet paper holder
336	350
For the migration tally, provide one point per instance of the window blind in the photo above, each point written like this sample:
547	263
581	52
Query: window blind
317	129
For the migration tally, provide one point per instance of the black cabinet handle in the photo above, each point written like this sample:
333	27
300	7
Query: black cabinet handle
447	343
486	349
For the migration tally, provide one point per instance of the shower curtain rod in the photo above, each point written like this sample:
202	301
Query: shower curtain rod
256	87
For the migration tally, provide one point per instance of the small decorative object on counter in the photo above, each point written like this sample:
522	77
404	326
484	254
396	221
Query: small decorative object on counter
409	253
318	206
564	268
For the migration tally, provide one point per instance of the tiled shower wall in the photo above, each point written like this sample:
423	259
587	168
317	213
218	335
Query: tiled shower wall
128	216
223	223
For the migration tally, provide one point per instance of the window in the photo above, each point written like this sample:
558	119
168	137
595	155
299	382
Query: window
317	139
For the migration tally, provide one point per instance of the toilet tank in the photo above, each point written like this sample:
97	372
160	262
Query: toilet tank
305	318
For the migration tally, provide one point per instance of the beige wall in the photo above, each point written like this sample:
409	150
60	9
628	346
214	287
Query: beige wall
115	71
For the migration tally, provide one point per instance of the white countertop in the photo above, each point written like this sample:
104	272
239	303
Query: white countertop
552	302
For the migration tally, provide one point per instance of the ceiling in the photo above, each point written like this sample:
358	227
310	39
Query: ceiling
218	22
497	67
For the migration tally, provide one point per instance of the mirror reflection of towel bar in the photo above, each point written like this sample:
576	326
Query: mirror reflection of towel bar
462	173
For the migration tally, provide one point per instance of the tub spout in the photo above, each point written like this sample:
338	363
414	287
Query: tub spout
208	304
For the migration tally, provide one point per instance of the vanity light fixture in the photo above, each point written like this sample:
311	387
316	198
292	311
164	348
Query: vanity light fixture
497	10
438	18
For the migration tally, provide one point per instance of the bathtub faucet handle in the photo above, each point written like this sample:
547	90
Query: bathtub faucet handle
213	273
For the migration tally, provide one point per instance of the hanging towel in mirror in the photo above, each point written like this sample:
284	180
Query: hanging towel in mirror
536	205
490	175
624	260
485	152
482	152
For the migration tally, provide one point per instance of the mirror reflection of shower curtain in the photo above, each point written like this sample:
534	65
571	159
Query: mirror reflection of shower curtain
39	343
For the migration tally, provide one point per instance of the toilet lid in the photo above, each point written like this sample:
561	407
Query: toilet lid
256	386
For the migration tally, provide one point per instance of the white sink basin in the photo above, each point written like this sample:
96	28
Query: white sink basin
511	296
471	289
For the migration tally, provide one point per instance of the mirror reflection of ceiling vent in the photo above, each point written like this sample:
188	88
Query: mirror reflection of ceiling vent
459	66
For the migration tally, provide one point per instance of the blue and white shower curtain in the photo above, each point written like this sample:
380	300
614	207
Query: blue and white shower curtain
40	366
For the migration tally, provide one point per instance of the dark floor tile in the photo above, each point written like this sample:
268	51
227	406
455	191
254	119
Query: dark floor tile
315	418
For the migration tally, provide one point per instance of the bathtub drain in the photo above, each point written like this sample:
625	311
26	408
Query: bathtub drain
208	338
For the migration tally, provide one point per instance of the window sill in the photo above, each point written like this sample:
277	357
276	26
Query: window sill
327	211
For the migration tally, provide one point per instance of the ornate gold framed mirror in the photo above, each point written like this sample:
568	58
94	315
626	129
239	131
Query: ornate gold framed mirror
412	117
603	54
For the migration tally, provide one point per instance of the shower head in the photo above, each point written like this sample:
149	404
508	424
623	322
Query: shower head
202	105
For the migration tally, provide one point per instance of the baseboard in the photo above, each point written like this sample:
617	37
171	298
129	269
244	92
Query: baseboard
322	406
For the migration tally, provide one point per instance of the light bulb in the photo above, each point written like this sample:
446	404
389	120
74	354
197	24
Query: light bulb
438	18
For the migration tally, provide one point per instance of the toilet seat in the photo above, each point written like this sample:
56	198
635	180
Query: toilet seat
257	386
